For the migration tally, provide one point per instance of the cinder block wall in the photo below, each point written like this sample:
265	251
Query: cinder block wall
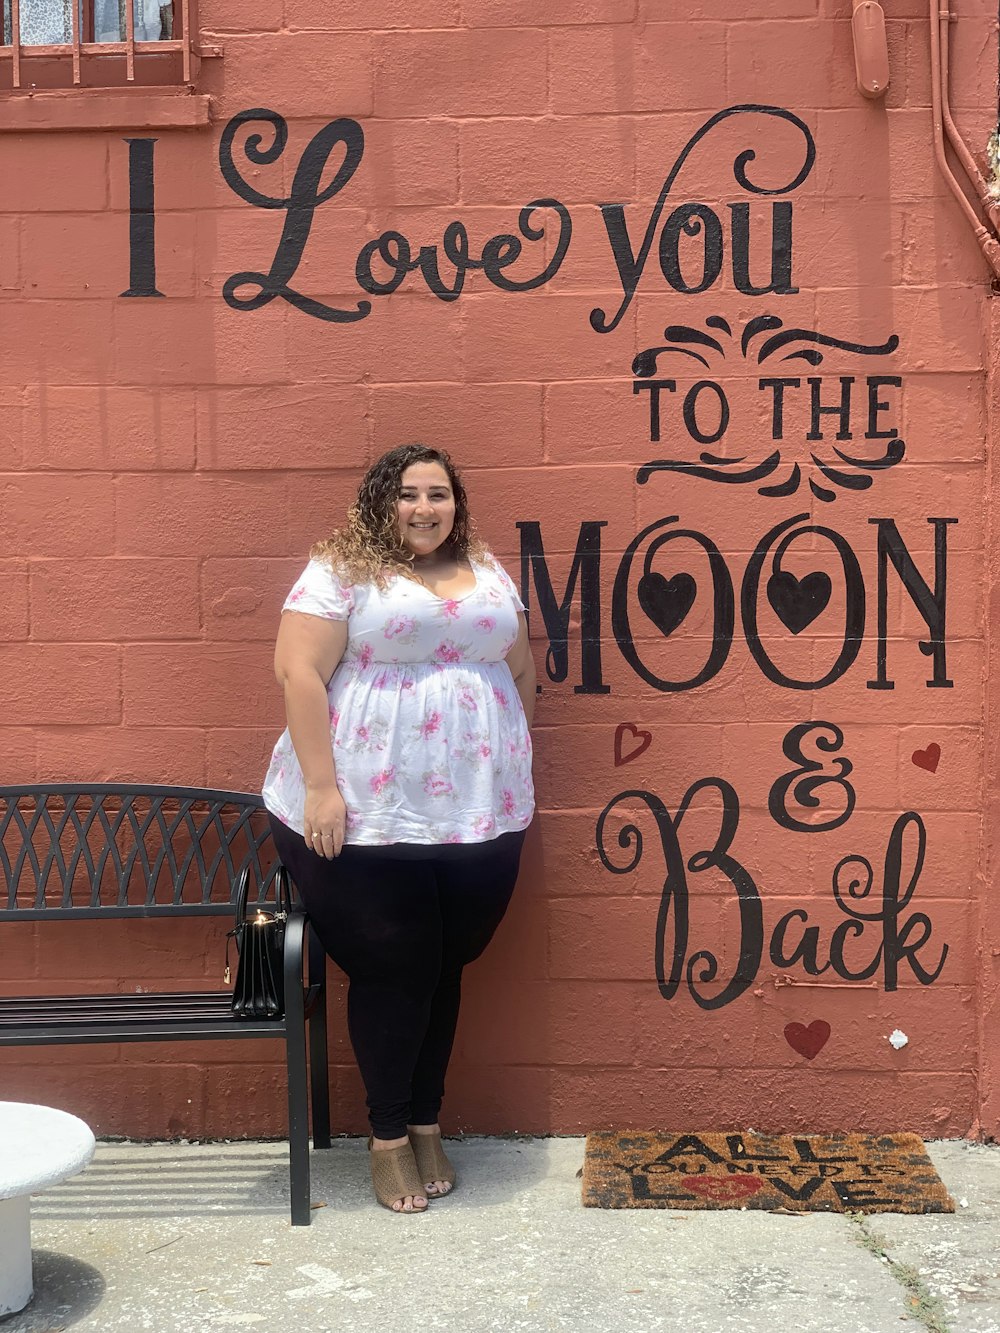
168	460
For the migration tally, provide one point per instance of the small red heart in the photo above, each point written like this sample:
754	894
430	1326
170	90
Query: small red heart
929	758
645	739
723	1188
808	1041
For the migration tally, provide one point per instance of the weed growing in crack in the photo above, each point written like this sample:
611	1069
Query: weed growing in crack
922	1303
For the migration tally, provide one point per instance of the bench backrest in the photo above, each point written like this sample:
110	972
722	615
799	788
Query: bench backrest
108	850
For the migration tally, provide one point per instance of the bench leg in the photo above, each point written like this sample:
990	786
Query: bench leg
298	1074
15	1254
319	1064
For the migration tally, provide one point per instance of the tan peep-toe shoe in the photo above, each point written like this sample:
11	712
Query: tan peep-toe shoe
395	1175
432	1162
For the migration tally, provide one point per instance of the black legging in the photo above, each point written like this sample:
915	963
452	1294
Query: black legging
402	922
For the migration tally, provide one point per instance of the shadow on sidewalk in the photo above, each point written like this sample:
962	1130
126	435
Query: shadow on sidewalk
168	1180
66	1291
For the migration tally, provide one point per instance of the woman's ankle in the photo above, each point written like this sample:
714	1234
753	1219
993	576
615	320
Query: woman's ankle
396	1141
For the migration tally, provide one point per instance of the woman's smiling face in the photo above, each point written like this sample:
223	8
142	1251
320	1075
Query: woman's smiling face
425	508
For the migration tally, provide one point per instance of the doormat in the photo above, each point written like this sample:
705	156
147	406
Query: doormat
785	1173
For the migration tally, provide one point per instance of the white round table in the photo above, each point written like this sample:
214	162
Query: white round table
39	1146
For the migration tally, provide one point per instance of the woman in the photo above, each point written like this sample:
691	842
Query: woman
401	791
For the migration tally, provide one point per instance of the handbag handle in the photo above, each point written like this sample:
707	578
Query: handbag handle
282	893
242	888
283	904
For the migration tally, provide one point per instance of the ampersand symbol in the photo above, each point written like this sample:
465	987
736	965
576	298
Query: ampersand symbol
804	787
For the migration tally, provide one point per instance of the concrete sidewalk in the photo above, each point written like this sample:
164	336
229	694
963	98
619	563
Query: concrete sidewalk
184	1238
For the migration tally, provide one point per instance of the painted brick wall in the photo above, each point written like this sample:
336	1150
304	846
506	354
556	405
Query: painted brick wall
167	462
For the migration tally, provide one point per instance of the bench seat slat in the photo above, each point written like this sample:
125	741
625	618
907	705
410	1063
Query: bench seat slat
74	1019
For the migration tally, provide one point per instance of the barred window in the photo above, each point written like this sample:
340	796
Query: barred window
95	43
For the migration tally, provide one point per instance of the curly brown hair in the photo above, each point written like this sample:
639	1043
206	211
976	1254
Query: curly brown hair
367	549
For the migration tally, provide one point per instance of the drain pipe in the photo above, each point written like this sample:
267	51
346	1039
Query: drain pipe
975	177
987	242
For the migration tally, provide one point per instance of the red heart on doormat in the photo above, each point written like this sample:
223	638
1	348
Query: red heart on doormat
928	758
808	1041
645	739
720	1189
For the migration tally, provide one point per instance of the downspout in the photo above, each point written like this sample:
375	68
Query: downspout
987	242
976	179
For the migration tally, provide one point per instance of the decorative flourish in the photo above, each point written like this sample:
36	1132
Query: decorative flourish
764	339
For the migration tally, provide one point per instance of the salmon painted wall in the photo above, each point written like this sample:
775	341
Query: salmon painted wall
726	416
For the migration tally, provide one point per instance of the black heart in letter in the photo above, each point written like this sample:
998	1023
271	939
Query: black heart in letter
667	601
797	602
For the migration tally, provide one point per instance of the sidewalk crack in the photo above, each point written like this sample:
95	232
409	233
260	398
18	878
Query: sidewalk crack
921	1305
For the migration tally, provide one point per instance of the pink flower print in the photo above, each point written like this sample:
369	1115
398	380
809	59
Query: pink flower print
399	625
406	683
507	797
365	654
453	837
487	624
334	717
436	785
467	700
446	651
381	682
484	751
451	608
430	725
483	824
361	733
297	593
382	779
501	698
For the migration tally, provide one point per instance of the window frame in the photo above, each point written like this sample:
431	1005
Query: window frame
78	51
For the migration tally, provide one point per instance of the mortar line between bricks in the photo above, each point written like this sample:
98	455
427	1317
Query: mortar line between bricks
922	1305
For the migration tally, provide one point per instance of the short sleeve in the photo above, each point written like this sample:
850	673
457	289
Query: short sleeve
507	583
319	592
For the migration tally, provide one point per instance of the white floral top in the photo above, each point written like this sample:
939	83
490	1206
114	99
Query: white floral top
429	738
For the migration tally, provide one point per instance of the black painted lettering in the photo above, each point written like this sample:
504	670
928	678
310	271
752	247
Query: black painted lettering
780	281
691	220
691	412
931	605
667	601
778	387
142	220
841	410
653	387
586	569
877	404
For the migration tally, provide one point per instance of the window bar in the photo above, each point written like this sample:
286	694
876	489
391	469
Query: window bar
129	41
75	9
186	35
15	39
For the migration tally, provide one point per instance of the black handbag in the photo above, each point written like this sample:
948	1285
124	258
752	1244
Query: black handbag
259	991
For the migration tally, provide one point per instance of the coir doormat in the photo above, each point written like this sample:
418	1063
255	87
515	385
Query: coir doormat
837	1173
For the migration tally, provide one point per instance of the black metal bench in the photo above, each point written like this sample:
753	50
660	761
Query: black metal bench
71	851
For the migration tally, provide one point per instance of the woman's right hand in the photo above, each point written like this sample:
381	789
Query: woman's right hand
325	821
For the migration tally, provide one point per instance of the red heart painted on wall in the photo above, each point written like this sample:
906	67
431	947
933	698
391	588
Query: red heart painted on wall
808	1041
722	1188
644	738
929	758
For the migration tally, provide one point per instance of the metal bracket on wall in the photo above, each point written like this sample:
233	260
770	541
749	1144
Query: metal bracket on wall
871	51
